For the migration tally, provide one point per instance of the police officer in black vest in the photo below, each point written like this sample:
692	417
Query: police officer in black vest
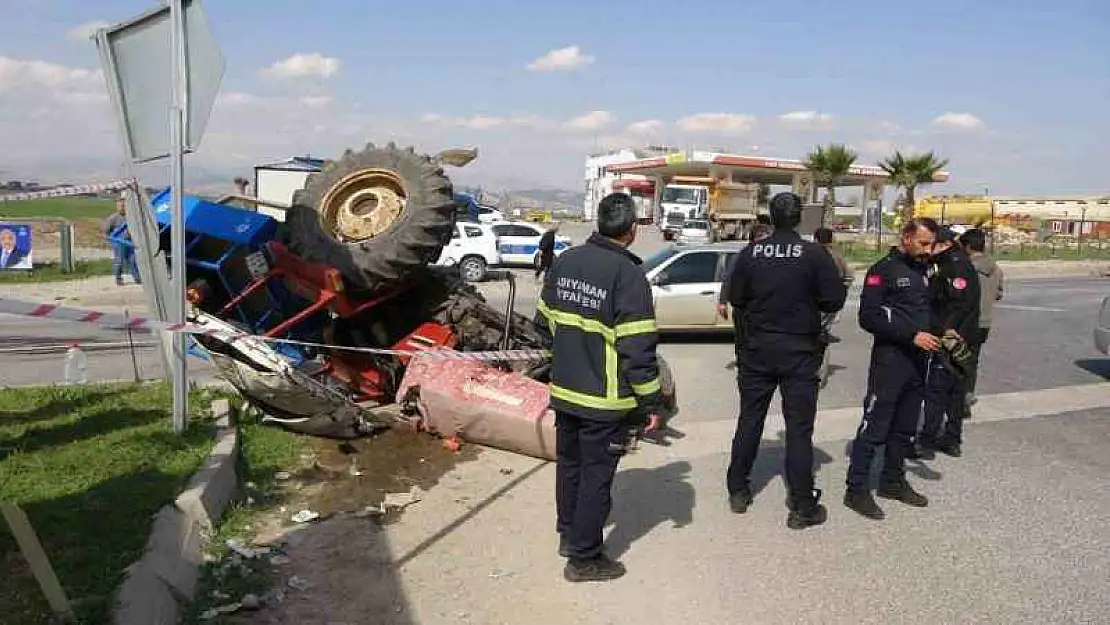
894	309
783	284
955	289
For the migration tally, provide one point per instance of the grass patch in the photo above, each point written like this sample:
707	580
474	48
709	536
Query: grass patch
60	207
52	272
266	450
90	465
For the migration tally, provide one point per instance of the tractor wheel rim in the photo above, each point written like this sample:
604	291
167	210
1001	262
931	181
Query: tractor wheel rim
363	204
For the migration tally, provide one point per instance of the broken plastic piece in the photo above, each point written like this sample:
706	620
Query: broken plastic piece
297	583
305	516
401	501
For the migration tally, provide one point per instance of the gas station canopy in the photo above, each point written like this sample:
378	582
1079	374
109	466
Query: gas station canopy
742	168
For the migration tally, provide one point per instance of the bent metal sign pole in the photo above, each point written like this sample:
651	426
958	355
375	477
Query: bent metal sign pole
163	71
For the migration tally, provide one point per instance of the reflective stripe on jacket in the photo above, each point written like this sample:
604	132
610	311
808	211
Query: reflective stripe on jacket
597	307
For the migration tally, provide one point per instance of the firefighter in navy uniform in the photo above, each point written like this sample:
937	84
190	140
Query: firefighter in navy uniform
597	306
894	309
783	284
955	292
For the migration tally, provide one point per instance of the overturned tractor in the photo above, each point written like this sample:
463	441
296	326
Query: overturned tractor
342	298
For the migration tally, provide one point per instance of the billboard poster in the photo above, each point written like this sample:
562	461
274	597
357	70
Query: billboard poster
15	246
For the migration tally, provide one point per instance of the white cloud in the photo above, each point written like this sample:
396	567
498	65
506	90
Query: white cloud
316	101
570	57
957	121
594	120
484	122
645	127
16	73
83	32
304	65
809	120
717	123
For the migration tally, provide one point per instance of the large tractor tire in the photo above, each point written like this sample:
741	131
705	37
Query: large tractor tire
375	215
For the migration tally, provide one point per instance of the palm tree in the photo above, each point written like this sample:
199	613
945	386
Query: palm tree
911	171
829	165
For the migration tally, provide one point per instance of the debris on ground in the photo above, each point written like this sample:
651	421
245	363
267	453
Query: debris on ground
400	501
298	583
249	553
282	476
305	516
230	608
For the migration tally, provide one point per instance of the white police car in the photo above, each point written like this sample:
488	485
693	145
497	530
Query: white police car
519	242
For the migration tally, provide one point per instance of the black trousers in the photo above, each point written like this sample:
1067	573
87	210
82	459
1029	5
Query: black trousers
891	411
945	405
763	369
587	455
546	258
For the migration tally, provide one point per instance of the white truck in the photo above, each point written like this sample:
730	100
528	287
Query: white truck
678	203
729	207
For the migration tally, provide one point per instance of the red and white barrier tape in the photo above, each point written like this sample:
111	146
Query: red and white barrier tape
112	321
80	189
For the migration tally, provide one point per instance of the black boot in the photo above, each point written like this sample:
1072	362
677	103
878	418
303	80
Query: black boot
740	500
948	447
806	512
599	569
905	493
862	502
917	452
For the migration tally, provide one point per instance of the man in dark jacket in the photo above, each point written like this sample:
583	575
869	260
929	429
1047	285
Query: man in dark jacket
597	307
783	284
954	293
547	251
894	309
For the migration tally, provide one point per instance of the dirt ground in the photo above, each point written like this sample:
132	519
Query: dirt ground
347	557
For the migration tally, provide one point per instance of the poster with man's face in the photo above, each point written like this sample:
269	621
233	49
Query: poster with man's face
15	246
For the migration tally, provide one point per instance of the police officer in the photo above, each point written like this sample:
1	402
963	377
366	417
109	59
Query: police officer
597	306
782	284
955	292
894	309
758	232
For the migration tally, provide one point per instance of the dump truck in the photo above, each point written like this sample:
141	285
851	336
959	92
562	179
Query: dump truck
342	326
730	207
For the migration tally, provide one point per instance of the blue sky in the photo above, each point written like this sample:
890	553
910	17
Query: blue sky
1029	83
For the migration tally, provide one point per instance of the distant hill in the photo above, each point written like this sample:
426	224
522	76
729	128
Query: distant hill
536	197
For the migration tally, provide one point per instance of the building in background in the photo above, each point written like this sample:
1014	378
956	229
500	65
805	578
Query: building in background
1089	215
276	182
601	182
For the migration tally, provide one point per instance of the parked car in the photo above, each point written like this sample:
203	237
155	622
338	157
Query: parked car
694	231
1102	327
489	214
685	284
473	248
519	242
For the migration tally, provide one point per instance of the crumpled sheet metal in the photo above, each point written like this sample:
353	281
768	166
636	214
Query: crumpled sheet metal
482	404
307	406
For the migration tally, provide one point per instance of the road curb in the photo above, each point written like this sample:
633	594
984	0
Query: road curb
160	583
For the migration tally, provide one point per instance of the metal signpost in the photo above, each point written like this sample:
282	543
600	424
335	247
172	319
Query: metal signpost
163	70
